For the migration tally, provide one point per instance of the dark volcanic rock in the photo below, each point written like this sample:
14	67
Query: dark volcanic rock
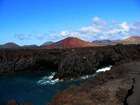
16	60
116	87
86	61
68	63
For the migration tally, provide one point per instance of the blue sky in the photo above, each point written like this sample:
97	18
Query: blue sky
37	21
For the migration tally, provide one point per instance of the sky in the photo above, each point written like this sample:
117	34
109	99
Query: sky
37	21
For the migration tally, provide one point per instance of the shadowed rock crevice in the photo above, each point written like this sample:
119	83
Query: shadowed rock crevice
43	64
130	92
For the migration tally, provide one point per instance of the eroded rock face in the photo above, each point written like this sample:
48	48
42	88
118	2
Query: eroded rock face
115	87
87	60
21	60
68	63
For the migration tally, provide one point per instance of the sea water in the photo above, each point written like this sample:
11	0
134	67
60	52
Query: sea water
38	90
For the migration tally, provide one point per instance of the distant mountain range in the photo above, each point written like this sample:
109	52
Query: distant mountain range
47	43
73	42
106	42
30	46
129	40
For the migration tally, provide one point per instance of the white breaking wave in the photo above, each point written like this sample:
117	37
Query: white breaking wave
87	76
104	69
48	80
99	70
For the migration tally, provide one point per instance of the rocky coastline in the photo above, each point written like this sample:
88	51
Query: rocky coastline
119	86
67	63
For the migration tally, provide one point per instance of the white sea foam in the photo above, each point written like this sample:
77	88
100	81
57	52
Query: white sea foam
104	69
99	70
87	76
48	80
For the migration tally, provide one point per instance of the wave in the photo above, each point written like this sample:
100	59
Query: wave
98	71
104	69
49	79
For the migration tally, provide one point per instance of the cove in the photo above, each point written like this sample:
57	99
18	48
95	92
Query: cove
38	89
33	88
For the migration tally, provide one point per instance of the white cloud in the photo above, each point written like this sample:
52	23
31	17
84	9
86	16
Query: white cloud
90	30
113	31
23	36
125	26
97	29
135	28
64	33
97	26
67	34
98	21
101	29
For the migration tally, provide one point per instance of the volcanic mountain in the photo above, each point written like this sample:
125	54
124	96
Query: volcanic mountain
70	42
9	45
131	40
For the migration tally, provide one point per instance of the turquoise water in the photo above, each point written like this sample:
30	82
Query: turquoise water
34	88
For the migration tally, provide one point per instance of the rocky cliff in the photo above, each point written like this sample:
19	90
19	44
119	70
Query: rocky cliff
67	63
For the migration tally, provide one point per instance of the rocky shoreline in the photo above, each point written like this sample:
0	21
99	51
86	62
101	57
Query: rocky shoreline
119	86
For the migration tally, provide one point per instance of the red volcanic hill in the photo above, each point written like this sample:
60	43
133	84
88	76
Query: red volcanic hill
70	42
131	40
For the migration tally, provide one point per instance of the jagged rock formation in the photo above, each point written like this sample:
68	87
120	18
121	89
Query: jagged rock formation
68	63
120	86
